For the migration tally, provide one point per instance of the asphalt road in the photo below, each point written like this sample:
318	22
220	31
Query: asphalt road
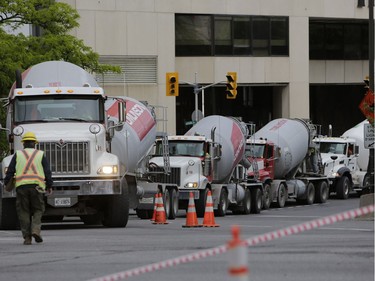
71	251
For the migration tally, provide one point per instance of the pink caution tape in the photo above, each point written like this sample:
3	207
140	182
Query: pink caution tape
295	229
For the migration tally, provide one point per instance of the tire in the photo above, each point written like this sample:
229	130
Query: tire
247	202
200	205
281	196
173	204
256	201
310	194
267	197
8	214
116	213
343	188
223	203
167	203
321	192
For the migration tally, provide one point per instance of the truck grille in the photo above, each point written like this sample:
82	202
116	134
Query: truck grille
158	175
67	158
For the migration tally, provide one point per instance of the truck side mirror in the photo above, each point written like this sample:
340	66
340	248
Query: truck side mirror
111	128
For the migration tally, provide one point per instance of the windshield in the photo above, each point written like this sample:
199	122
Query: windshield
59	108
185	148
331	147
254	150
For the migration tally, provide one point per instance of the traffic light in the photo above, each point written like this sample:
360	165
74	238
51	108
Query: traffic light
172	84
231	85
367	82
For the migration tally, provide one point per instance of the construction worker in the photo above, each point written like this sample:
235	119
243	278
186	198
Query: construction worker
30	170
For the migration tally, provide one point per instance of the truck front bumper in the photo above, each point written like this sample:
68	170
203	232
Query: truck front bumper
79	188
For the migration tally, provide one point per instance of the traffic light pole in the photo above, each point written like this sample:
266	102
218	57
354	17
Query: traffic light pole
196	92
370	166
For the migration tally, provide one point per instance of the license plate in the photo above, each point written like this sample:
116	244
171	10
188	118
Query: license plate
62	202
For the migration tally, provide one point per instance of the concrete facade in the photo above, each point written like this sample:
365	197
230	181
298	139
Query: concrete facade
146	27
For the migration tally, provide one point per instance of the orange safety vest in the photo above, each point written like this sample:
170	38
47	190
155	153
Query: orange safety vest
29	168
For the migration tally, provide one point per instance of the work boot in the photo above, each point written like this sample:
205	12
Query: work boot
27	241
37	237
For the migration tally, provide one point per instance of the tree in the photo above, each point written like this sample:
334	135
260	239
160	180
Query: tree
18	51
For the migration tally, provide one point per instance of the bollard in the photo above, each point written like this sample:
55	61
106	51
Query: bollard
237	255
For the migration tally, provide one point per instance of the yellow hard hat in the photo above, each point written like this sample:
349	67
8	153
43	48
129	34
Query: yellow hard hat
29	136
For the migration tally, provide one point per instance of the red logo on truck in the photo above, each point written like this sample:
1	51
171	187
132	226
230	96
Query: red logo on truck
237	142
137	116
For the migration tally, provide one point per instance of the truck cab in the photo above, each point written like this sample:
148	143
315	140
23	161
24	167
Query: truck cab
263	153
339	158
190	170
63	105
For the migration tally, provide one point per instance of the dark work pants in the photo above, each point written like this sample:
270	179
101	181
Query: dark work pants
30	209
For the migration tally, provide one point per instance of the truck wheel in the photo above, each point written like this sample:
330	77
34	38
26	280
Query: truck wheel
247	202
116	213
167	203
343	187
281	196
173	205
321	192
200	205
223	203
256	201
8	214
267	197
310	194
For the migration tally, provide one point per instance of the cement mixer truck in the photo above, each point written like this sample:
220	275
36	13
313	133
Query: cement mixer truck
93	152
288	162
345	161
210	156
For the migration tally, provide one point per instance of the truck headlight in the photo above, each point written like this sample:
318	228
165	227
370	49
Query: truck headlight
108	170
335	175
191	185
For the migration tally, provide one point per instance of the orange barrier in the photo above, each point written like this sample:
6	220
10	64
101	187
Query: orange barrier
160	216
209	217
191	215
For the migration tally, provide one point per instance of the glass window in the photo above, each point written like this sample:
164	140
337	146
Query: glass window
317	41
279	36
59	108
206	35
334	41
193	35
352	39
338	40
241	35
261	33
223	35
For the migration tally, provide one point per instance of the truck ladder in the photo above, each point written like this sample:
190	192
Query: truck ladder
253	161
161	117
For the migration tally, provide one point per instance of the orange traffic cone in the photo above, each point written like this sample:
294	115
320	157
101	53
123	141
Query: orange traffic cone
191	215
160	216
209	218
155	201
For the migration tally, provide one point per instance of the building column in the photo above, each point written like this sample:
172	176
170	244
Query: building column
298	99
